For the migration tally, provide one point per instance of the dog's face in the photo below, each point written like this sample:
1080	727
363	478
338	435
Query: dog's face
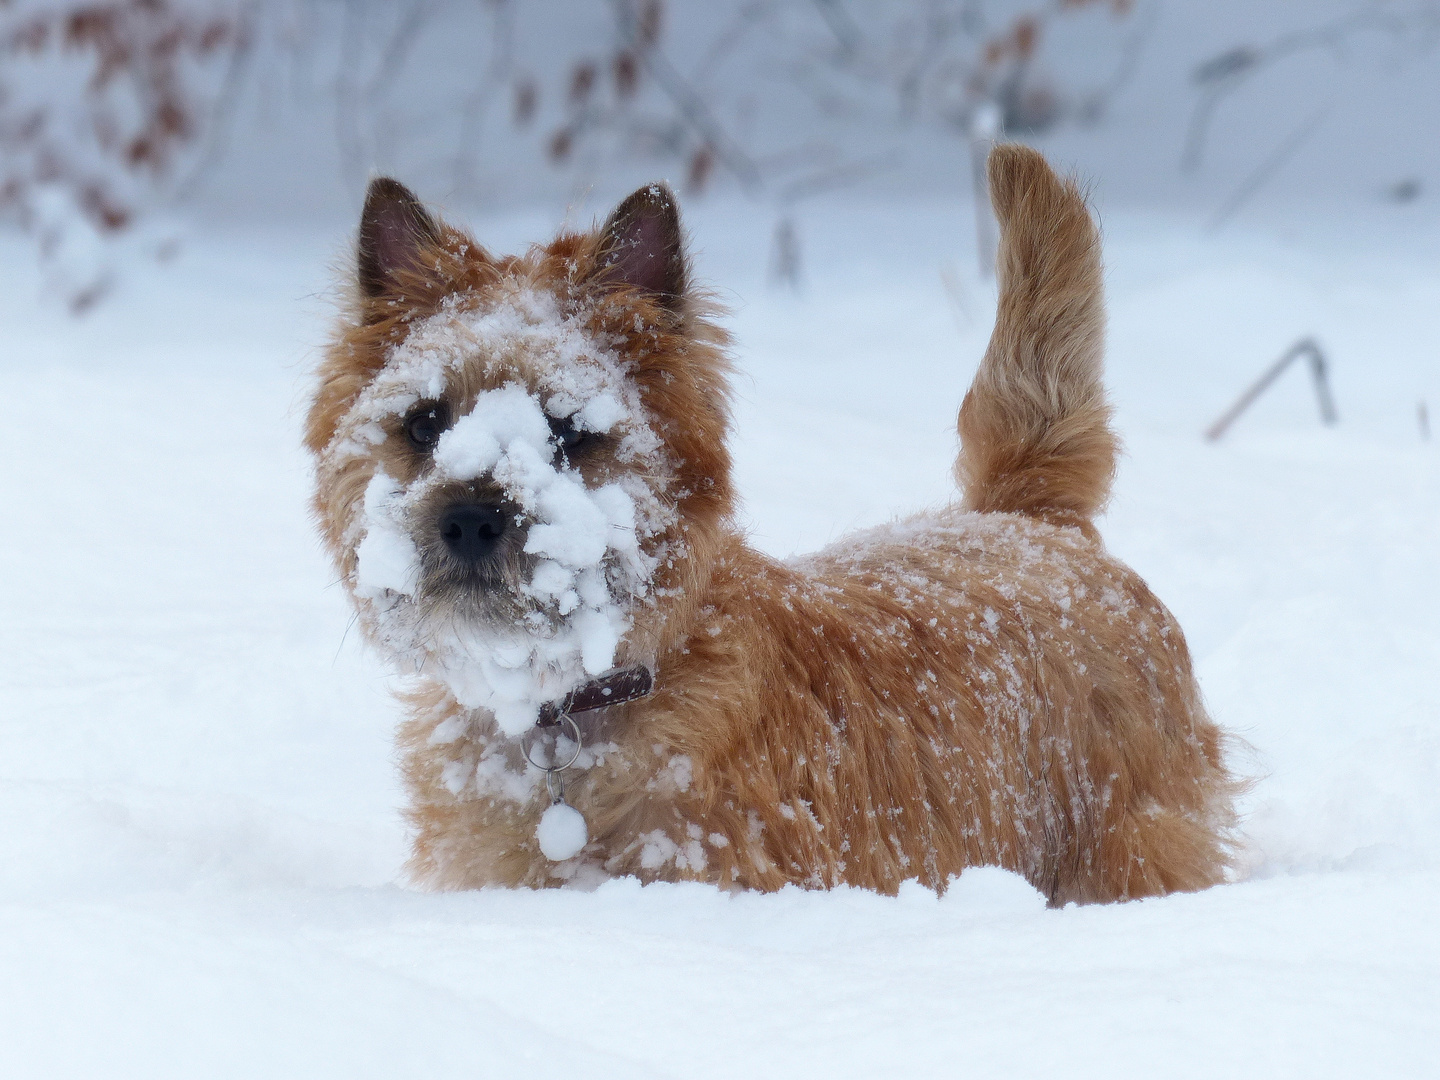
517	457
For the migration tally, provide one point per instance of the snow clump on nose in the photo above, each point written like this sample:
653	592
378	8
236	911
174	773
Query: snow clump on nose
584	538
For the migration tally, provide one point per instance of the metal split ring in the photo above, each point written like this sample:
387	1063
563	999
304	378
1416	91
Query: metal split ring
526	742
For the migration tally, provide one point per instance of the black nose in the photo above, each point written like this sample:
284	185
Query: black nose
471	530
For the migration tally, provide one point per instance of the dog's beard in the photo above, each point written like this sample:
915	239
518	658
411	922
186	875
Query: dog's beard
502	651
507	635
532	621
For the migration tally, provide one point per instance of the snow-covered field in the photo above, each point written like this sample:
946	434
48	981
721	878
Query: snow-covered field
199	843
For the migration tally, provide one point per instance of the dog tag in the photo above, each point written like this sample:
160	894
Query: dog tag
562	832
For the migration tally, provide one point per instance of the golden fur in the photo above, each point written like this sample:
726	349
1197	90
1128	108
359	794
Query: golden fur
979	685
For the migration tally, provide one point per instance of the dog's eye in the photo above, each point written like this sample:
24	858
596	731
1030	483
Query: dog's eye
425	425
568	436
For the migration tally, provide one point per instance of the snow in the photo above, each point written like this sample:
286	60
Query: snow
198	801
386	559
561	832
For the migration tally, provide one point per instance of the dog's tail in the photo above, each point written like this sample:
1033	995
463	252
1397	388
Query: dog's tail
1035	432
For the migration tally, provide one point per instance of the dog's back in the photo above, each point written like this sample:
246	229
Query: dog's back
951	690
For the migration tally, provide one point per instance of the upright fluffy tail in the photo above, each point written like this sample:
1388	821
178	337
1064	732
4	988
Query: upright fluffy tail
1035	432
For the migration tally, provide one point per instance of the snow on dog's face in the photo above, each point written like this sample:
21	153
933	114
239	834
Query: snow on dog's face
516	476
501	493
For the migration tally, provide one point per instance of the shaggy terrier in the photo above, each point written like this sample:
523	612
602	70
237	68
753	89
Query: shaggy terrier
523	477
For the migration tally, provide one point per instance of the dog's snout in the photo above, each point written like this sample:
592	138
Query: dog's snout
471	530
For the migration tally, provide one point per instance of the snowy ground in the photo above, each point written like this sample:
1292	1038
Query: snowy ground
197	802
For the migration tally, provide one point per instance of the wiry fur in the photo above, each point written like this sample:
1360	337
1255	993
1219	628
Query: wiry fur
1034	428
978	685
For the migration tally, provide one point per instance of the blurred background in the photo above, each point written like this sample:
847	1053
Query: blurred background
150	117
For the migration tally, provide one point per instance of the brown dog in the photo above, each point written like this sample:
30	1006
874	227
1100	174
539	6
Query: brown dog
523	479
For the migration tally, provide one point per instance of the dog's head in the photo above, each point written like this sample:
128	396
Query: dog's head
520	460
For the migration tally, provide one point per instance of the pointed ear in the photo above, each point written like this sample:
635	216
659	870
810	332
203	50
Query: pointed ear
641	246
393	229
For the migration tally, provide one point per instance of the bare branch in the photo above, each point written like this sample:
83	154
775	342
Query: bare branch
1226	73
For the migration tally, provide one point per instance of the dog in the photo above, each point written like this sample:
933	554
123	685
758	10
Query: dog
522	476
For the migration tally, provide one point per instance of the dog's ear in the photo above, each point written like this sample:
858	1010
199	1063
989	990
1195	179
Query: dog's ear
641	247
394	228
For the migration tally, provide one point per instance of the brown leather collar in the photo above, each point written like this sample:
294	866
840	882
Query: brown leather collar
617	687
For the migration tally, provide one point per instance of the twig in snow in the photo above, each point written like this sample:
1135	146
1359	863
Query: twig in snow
1318	373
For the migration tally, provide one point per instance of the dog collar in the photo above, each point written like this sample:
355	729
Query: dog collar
562	832
614	688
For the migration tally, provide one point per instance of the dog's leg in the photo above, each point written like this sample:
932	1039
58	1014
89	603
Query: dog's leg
1035	427
472	804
